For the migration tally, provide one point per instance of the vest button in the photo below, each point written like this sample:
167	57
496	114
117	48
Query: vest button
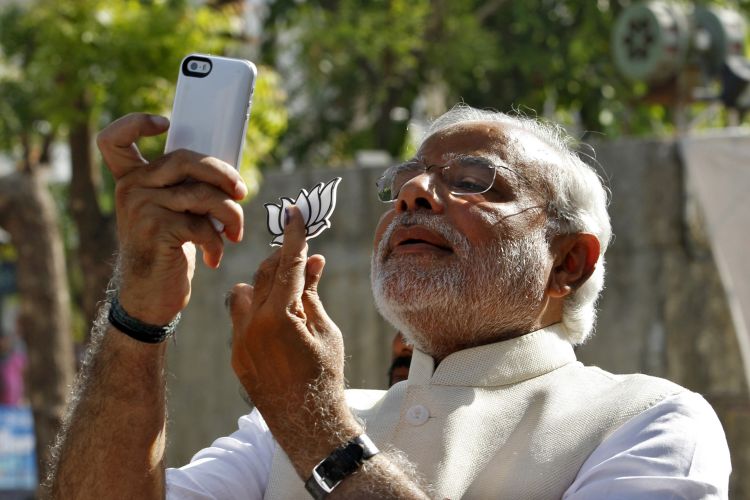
417	415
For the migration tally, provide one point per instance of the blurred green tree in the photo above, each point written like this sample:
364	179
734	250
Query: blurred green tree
66	69
362	67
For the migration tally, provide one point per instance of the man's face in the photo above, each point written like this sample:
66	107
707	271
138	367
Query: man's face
453	271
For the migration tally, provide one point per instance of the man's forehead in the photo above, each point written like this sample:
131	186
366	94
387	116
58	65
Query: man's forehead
497	141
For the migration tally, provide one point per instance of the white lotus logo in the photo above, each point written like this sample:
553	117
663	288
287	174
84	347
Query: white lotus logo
316	208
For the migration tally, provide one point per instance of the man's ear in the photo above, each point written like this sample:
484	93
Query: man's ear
575	257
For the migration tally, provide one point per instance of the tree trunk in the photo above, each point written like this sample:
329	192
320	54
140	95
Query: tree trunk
29	214
96	235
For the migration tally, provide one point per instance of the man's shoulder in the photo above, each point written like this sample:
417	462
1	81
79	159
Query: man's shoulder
630	382
623	394
677	445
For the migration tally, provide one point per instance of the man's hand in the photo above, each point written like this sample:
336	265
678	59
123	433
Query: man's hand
289	355
162	209
119	416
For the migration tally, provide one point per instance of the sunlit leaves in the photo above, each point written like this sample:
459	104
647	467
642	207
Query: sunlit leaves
95	60
359	60
268	120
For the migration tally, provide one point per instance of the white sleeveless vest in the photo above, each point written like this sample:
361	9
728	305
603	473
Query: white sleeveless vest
515	419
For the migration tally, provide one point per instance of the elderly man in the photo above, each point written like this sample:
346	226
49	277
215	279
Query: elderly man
489	260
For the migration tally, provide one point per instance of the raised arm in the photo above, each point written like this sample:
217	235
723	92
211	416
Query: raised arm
112	442
289	356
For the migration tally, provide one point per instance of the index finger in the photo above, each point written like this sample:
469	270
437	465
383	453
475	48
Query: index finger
117	141
289	282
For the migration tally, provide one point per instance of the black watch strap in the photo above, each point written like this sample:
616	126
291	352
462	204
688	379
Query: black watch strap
340	464
135	328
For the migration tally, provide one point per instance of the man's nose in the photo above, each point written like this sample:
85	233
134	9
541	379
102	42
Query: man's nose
420	193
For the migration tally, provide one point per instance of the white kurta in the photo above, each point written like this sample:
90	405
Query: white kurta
516	419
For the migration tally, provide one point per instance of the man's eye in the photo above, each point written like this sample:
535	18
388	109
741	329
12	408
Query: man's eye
470	184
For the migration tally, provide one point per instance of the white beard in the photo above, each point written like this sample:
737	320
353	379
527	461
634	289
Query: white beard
475	296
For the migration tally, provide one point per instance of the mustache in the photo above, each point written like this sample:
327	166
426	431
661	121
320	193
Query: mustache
435	222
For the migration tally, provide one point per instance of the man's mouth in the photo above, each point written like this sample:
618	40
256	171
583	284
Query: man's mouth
418	239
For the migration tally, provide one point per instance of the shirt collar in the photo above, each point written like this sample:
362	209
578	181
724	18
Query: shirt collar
501	363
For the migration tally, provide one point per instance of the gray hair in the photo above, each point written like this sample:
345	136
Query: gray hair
577	203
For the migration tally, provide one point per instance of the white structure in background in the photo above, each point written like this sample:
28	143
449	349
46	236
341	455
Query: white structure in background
58	171
718	176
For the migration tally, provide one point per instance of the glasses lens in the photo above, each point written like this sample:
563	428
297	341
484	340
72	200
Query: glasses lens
462	176
395	177
385	190
469	175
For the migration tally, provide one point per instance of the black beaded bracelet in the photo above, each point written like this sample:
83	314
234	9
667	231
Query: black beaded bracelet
135	328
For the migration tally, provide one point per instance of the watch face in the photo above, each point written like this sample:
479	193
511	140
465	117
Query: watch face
339	464
331	483
319	486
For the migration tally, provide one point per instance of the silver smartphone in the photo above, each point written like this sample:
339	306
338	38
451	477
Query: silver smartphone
212	106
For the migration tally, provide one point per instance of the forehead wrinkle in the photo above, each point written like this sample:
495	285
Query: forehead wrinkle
501	142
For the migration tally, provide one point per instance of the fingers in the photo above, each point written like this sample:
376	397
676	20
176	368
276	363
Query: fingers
185	181
117	141
317	317
198	230
313	272
240	301
199	199
183	165
264	279
289	281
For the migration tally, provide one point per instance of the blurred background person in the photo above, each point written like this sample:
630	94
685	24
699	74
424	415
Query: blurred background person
400	360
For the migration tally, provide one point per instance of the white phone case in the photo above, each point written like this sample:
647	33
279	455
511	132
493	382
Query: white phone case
212	106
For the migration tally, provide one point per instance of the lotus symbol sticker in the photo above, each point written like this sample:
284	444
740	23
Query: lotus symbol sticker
316	208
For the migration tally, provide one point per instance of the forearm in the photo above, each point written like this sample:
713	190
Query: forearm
389	474
112	443
386	475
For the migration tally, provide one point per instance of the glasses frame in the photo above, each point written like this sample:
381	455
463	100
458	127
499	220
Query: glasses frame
425	167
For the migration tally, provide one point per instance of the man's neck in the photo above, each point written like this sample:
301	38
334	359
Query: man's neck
500	337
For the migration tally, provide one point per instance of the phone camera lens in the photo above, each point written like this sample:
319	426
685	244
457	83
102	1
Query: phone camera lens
194	66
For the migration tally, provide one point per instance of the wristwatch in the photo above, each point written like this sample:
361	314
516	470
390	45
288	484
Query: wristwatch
340	464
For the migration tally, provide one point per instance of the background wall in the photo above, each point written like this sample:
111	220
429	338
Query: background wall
663	312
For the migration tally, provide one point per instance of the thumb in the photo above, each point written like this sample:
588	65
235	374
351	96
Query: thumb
317	317
117	142
239	302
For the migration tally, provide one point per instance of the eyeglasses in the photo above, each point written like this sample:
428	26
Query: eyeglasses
462	175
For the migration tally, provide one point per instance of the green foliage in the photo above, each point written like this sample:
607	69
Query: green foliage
94	60
360	60
97	56
557	60
268	121
8	253
67	63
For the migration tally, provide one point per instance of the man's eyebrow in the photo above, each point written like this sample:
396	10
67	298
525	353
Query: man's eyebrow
410	161
503	170
492	158
447	157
